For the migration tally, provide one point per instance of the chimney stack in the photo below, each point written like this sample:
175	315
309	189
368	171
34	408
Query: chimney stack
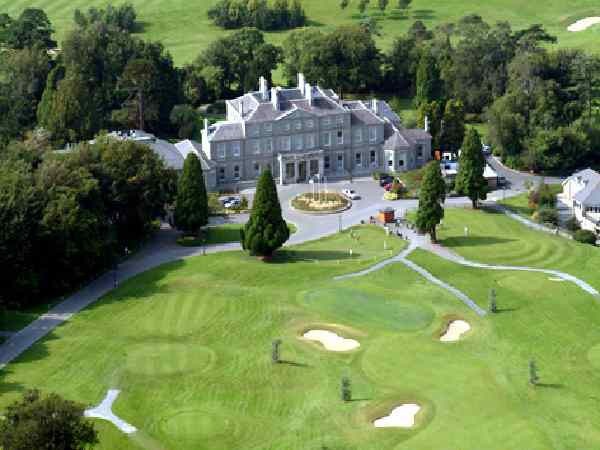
263	88
275	98
427	124
301	83
308	94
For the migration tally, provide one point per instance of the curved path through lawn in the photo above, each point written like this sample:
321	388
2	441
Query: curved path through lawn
418	241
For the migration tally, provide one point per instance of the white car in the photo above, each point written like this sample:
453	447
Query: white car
351	194
234	203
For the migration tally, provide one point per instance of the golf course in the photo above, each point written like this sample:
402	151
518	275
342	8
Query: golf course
189	345
185	30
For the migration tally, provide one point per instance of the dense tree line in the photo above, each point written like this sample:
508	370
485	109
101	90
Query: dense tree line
67	217
281	15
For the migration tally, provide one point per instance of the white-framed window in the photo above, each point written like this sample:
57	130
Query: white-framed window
298	124
358	135
269	145
340	137
372	134
419	151
235	149
236	173
340	161
390	163
221	151
400	163
326	162
256	168
373	158
221	173
268	127
358	159
326	121
255	146
327	139
310	141
298	142
286	143
310	123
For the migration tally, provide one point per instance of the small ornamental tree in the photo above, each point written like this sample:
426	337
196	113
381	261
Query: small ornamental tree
431	198
533	375
346	389
266	230
275	351
471	164
493	306
46	423
191	207
344	4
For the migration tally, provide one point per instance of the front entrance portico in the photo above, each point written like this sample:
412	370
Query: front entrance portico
300	167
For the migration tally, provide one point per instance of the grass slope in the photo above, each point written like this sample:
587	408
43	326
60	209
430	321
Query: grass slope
185	30
189	345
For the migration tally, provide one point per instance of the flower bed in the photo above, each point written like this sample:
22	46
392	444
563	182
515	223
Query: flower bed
324	202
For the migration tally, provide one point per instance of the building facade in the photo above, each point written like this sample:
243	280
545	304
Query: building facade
308	131
581	192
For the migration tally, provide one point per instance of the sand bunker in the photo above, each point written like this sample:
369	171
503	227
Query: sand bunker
331	341
104	411
455	329
403	416
583	24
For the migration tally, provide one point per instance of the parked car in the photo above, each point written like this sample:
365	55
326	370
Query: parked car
225	200
487	149
351	194
385	179
234	203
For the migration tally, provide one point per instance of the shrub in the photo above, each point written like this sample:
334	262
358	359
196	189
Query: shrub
546	215
585	237
572	224
346	389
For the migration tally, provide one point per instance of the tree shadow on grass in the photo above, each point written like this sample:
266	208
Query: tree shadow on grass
293	363
423	14
505	310
474	241
292	256
550	385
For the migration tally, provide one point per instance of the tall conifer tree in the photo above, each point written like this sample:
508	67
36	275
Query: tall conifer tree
431	199
471	164
266	230
191	208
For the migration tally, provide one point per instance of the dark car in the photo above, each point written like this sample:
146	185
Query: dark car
385	179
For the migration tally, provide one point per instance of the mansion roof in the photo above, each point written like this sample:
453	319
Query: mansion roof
267	105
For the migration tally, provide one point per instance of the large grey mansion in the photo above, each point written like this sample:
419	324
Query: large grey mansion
307	130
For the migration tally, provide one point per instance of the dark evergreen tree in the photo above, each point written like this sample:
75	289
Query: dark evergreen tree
276	351
493	305
452	133
430	114
266	230
431	198
429	84
191	207
471	164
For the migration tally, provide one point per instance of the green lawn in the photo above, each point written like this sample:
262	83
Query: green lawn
520	203
189	346
185	29
496	238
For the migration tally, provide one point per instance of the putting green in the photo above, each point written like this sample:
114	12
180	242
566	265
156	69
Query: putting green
194	424
159	359
358	308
